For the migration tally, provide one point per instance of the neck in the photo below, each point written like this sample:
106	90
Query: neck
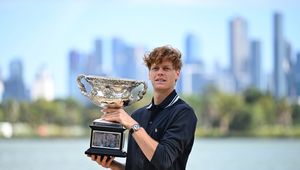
159	96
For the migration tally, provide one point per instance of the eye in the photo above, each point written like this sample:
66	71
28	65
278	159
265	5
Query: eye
167	69
154	68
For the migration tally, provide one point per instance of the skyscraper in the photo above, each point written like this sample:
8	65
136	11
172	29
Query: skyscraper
1	86
296	71
279	53
288	69
192	79
239	53
255	55
192	49
124	63
97	59
43	86
14	87
77	65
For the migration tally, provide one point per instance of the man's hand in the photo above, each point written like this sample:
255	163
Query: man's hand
118	115
104	161
107	162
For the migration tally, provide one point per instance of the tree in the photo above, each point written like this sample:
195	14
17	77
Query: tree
251	95
295	114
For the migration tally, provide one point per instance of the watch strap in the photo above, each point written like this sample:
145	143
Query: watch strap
134	128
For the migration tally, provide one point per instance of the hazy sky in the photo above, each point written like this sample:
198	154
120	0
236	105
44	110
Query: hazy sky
43	32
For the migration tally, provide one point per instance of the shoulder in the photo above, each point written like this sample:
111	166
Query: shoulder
182	109
182	105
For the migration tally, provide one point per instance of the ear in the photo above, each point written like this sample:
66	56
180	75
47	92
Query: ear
177	74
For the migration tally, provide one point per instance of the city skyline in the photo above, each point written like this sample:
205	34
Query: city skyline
44	33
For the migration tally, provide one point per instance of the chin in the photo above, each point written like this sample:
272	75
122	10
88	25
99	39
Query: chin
158	88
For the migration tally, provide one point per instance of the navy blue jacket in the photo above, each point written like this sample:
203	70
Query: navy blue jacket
172	124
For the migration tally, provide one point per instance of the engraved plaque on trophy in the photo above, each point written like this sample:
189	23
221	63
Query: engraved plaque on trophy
107	138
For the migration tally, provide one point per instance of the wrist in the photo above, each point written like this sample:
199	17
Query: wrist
135	127
116	165
130	124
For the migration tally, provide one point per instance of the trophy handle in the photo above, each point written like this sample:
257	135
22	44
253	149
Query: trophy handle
143	92
140	93
81	85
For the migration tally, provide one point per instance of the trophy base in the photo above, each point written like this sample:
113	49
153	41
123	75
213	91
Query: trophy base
107	139
105	152
104	123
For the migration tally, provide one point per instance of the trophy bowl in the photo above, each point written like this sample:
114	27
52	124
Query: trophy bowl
107	138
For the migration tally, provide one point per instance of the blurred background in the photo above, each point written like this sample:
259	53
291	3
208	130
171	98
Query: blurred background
241	74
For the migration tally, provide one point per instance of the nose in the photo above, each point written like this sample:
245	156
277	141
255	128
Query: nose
160	71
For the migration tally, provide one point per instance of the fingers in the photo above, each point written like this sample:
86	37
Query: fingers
112	115
110	160
101	161
117	115
104	161
93	157
109	110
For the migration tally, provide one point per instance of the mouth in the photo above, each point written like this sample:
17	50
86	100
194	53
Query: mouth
160	80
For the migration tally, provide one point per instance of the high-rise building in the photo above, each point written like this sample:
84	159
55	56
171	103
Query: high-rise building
77	65
239	53
288	69
1	86
279	57
192	79
43	86
255	68
14	87
296	71
223	79
124	63
192	49
74	70
95	63
192	76
88	64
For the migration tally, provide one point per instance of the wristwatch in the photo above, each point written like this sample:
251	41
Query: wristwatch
134	128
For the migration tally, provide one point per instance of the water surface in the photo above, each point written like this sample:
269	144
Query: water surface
207	154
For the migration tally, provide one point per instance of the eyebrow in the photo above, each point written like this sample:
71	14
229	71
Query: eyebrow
156	65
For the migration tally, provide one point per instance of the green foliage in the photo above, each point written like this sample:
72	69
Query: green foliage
241	121
60	112
295	114
1	114
251	95
11	111
262	110
219	114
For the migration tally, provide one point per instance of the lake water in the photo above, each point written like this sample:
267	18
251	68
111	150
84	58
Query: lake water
207	154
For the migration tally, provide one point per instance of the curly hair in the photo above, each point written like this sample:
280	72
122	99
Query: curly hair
160	54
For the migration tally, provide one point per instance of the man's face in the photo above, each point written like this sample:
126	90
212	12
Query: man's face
163	76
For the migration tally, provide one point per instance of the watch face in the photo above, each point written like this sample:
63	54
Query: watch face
136	127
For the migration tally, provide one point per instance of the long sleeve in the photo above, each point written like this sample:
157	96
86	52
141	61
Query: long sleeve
177	139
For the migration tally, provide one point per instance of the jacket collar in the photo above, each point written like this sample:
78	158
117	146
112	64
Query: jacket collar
167	102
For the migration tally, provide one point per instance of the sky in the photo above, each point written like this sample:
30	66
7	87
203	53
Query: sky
42	33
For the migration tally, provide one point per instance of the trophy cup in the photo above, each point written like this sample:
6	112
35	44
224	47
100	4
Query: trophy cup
107	138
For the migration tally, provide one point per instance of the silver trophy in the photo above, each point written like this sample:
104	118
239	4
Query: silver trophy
107	138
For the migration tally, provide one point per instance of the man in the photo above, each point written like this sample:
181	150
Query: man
162	133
